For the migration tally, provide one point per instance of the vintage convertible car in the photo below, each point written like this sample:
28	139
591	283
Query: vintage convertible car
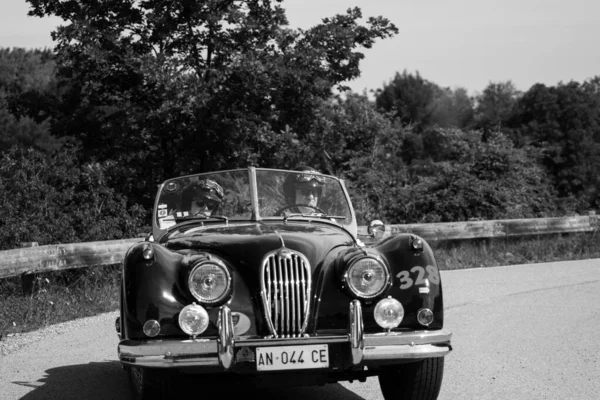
259	275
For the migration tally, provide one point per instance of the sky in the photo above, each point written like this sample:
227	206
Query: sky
453	43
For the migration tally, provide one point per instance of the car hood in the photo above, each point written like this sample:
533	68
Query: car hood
245	245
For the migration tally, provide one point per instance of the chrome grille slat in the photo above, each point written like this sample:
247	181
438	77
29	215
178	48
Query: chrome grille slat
281	314
275	285
287	296
286	287
294	292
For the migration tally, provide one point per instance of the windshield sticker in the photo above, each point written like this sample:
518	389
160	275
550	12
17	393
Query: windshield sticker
160	206
162	213
171	186
165	223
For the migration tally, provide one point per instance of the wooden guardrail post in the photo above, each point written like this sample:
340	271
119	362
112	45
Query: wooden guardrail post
28	280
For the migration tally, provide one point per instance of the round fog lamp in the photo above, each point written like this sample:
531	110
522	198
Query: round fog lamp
193	319
425	316
389	313
151	328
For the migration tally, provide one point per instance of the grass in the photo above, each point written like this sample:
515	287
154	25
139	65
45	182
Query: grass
519	250
58	297
66	295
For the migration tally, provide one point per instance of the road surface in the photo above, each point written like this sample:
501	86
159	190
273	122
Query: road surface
519	332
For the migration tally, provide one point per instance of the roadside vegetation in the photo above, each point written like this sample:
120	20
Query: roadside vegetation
131	96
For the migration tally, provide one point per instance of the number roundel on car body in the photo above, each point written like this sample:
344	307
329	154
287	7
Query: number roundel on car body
418	276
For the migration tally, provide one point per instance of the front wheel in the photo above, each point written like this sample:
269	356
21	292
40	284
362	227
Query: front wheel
419	380
149	384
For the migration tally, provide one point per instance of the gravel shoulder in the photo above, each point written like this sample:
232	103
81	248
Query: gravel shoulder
15	342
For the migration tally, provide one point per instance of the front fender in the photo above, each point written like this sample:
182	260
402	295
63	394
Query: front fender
149	290
416	279
156	289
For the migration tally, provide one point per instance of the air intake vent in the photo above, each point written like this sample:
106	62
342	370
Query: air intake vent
286	288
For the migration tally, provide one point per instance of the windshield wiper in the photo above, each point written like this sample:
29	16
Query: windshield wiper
201	216
286	216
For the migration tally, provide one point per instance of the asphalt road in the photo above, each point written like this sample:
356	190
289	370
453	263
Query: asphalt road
519	332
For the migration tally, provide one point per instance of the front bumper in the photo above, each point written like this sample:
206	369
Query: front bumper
364	348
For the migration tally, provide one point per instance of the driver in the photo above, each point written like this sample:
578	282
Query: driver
202	197
304	189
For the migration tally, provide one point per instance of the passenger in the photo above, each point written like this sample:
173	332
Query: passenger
202	197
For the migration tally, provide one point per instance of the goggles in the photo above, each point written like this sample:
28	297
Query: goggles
308	191
213	190
203	204
312	176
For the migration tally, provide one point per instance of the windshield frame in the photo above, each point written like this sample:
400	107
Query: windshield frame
158	232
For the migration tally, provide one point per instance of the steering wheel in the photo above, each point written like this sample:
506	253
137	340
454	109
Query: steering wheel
317	209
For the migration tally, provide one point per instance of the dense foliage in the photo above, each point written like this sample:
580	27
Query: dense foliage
52	199
136	92
26	80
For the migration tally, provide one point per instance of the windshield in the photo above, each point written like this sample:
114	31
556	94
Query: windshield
228	195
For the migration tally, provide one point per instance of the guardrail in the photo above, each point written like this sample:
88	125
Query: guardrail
29	260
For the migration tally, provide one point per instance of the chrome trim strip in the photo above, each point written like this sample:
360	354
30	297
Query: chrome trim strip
405	352
280	317
305	267
293	294
253	194
285	301
226	342
356	334
408	338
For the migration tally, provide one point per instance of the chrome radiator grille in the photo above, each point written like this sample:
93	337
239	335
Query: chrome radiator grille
286	287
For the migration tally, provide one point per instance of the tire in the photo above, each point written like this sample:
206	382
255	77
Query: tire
420	380
149	384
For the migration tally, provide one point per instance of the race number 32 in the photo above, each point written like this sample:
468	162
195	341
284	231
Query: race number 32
417	276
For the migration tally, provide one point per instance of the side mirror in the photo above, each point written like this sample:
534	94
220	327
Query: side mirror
376	229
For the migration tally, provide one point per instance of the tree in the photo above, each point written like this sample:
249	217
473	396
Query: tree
410	98
564	121
169	87
495	108
452	109
26	78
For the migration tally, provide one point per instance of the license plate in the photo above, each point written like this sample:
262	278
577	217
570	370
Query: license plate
292	357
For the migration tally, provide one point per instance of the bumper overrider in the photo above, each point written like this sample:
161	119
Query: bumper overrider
219	352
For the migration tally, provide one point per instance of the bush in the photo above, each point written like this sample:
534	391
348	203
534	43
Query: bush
51	199
470	177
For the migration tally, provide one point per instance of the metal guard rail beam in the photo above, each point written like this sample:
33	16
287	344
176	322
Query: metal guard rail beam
29	260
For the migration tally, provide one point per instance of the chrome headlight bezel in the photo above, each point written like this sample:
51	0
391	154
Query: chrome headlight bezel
210	262
350	285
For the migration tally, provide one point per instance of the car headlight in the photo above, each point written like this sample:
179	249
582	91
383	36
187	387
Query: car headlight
210	281
367	278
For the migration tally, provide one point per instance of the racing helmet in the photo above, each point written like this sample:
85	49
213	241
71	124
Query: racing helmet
308	178
205	190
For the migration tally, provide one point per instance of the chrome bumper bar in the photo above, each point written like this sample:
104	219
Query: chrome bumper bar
220	352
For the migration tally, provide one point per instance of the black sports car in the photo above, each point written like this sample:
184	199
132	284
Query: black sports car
259	274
